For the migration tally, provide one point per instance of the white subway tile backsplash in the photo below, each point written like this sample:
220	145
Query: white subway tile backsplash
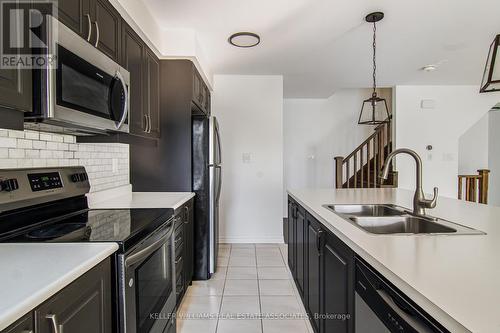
16	153
26	149
45	137
24	144
8	142
32	135
16	134
39	145
8	163
52	145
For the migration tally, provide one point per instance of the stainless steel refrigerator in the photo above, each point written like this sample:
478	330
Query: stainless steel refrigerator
207	184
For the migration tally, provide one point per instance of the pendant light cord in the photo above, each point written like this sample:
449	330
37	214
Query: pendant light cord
374	59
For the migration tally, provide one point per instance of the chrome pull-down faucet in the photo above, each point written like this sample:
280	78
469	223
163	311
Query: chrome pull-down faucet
420	203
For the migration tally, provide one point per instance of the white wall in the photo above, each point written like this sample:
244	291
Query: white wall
166	43
473	147
457	108
317	130
250	113
106	164
494	157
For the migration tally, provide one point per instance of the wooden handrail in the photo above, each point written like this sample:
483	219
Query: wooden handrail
476	186
370	154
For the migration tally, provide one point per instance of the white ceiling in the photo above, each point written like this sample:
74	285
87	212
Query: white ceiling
323	45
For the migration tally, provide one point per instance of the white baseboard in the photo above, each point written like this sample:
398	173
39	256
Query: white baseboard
260	240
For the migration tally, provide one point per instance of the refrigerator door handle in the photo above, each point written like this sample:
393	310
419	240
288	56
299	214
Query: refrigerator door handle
218	143
219	185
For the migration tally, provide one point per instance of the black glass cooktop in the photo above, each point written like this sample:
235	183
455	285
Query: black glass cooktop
124	226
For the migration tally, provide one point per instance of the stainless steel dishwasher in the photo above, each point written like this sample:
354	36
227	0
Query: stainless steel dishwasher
381	308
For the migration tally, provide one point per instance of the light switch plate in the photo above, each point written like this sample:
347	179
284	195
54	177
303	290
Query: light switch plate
428	104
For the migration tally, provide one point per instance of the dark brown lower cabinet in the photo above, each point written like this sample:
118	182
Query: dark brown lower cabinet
292	211
299	249
313	294
83	306
323	271
184	248
337	285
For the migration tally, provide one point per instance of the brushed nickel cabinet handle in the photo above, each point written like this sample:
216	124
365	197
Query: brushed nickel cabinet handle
90	27
97	34
53	321
145	117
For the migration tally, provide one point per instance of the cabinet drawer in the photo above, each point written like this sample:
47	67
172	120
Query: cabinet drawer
179	264
179	237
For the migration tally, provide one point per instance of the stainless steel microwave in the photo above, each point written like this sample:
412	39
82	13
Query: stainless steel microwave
84	91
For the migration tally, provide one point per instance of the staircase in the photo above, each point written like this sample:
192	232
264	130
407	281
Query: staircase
476	187
362	167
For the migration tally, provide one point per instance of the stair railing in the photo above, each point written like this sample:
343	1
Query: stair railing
476	187
362	167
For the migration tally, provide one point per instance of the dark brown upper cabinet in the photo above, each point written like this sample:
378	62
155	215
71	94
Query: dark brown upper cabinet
133	59
76	15
144	68
108	28
15	96
201	93
97	21
152	93
16	89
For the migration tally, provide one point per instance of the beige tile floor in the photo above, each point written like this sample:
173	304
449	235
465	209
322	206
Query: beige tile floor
252	292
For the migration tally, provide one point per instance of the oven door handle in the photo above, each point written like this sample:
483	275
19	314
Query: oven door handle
148	250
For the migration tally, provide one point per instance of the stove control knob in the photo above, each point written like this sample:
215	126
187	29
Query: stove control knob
9	185
75	178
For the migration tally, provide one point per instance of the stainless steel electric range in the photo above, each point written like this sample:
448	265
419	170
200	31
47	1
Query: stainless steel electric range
50	205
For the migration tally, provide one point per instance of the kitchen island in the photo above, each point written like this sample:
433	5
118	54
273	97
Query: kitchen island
452	277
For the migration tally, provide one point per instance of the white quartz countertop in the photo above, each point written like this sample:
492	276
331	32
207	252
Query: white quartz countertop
455	278
32	273
126	200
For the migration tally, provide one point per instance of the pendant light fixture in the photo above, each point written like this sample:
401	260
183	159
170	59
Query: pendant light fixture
374	110
491	75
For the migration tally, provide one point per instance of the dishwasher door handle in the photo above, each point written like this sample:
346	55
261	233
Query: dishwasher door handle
411	320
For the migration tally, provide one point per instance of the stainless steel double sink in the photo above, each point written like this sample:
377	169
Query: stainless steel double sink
396	220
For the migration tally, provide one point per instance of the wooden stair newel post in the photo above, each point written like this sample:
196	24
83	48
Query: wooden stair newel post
339	171
483	185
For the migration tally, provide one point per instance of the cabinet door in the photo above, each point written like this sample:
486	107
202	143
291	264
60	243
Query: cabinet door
196	86
75	14
188	243
108	29
15	89
15	86
23	325
299	250
313	299
82	307
291	237
337	285
133	60
152	93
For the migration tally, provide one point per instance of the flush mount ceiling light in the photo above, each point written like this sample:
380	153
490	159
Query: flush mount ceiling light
429	68
491	75
244	39
374	110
